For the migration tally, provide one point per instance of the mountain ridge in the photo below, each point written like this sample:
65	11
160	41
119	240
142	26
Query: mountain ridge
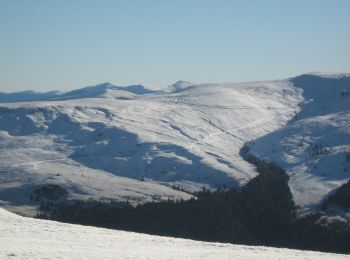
189	138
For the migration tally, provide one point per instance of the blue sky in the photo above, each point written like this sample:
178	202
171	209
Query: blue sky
46	45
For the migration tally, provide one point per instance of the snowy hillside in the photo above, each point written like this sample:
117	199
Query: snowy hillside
25	238
136	143
189	138
314	147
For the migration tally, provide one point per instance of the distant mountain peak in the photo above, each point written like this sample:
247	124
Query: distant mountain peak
179	85
106	84
182	82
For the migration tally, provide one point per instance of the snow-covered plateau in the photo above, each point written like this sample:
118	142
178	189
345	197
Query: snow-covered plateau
26	238
137	143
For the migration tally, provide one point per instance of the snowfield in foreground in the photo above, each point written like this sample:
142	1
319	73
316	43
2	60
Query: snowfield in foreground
27	238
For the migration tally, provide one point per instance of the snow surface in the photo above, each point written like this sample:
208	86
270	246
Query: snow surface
26	238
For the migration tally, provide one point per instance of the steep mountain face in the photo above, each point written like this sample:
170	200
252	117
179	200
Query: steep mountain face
135	144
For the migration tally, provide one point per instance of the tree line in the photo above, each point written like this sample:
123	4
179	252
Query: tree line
261	213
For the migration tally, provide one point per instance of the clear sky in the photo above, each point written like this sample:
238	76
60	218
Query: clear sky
66	44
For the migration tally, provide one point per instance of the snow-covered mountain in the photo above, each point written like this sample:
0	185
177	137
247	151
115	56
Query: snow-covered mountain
27	96
100	90
135	143
26	238
314	147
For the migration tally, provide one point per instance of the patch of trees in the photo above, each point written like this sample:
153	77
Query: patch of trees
347	157
261	213
48	192
341	197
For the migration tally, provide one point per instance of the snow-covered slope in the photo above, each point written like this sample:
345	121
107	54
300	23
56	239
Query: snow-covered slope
25	238
89	145
314	147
